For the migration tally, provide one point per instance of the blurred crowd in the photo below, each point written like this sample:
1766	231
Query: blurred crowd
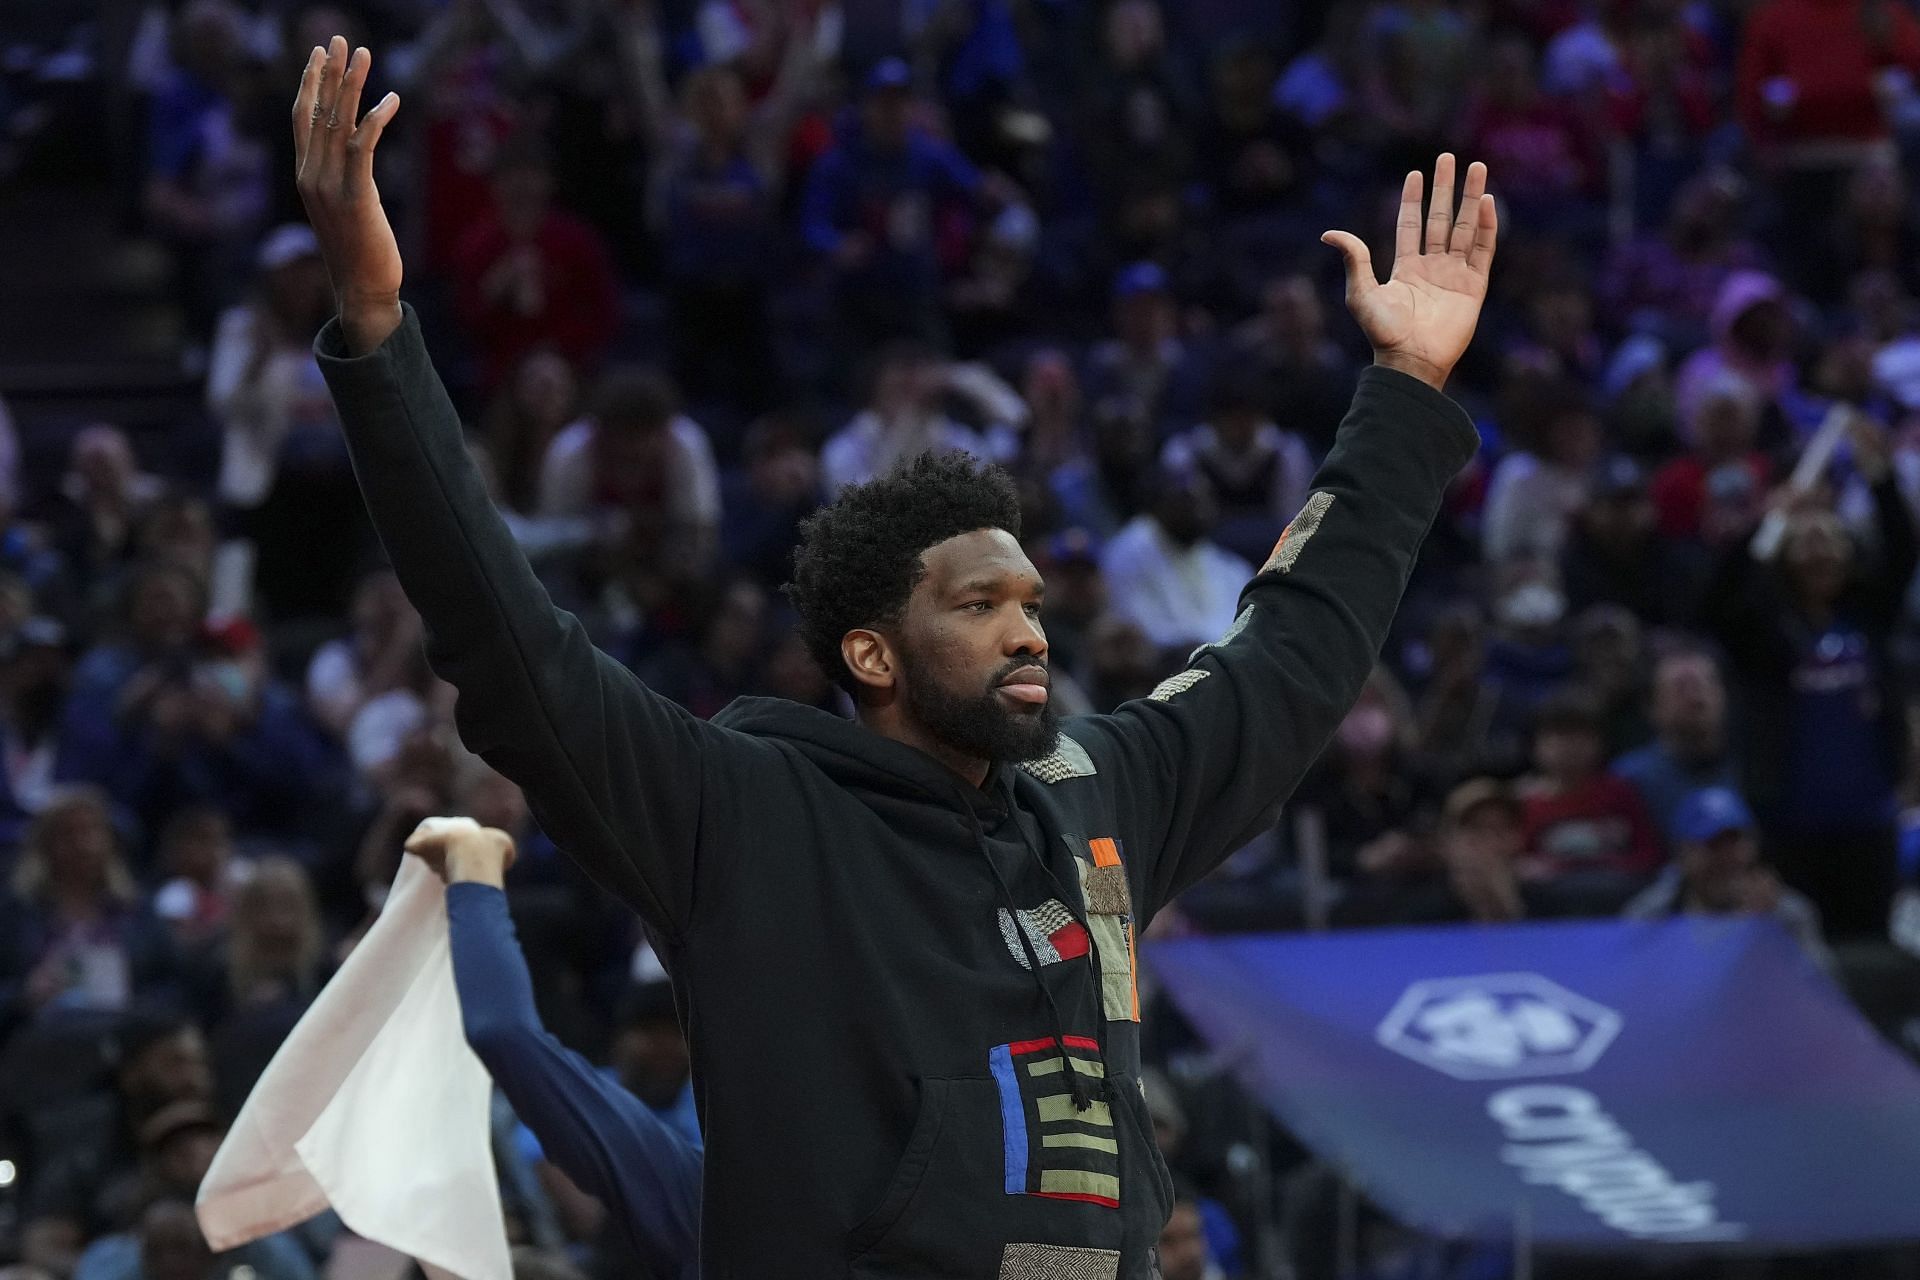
691	266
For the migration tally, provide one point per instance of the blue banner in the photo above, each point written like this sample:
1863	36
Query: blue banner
1696	1081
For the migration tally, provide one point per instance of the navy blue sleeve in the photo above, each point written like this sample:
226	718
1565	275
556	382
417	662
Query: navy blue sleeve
600	1135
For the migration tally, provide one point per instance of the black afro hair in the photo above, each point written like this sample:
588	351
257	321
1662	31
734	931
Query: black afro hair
859	556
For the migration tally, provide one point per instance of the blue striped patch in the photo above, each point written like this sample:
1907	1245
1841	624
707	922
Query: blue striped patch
1013	1117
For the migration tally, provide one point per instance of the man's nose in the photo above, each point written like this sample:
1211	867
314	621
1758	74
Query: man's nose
1027	636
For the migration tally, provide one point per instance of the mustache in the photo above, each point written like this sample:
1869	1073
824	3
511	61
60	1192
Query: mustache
1021	664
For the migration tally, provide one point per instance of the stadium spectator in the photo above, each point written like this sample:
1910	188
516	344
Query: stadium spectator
540	398
1692	750
1717	870
285	485
1166	575
1535	492
196	898
638	458
103	497
1586	832
78	935
884	207
1617	554
904	417
532	275
1255	472
1812	78
1712	489
1482	839
207	186
766	499
162	1063
380	654
1806	637
1308	378
1145	376
1549	154
1752	338
1667	282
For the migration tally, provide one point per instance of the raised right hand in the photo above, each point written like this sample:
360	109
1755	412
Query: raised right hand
460	849
333	149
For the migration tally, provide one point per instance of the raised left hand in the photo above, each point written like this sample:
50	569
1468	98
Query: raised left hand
1421	319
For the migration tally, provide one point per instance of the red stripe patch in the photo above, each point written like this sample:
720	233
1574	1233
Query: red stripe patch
1108	1201
1035	1046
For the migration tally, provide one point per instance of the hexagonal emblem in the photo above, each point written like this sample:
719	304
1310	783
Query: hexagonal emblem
1498	1026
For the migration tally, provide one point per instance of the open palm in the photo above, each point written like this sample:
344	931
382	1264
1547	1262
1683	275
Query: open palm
333	150
1421	319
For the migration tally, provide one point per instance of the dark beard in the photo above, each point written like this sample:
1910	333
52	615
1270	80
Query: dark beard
982	726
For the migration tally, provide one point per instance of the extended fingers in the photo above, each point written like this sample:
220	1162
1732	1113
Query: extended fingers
1486	233
346	108
303	101
332	71
323	142
1469	219
1406	230
1440	208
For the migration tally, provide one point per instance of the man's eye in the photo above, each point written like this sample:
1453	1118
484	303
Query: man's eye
979	606
1033	611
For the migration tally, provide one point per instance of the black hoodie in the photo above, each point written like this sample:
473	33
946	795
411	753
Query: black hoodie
853	929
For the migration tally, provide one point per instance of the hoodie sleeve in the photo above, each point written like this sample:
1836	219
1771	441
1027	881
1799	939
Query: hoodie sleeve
1202	764
617	775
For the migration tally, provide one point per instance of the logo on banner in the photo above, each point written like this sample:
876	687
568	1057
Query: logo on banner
1521	1026
1498	1026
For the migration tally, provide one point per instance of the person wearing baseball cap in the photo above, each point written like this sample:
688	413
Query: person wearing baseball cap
1717	870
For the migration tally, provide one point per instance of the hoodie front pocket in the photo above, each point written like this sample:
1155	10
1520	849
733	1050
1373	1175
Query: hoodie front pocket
909	1173
980	1170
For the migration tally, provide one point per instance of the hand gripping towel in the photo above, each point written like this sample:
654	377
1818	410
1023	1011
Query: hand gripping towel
374	1106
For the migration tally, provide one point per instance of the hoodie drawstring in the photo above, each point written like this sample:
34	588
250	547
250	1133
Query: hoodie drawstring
1076	1082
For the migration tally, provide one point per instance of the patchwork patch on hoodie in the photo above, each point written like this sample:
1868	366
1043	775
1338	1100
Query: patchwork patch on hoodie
1240	622
1068	759
1294	538
1178	682
1057	1262
1052	930
1053	1147
1109	902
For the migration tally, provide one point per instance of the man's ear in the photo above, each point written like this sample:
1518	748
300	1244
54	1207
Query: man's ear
871	658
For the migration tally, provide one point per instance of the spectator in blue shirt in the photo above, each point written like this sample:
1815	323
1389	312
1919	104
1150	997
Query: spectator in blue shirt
878	207
640	1156
1690	750
207	191
1806	633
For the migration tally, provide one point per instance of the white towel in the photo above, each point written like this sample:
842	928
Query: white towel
376	1106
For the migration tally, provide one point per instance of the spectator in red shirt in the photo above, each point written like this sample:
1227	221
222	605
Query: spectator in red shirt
1809	76
1812	77
1699	491
531	275
1537	144
1587	831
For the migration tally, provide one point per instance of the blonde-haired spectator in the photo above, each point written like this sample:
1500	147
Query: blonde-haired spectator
75	934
